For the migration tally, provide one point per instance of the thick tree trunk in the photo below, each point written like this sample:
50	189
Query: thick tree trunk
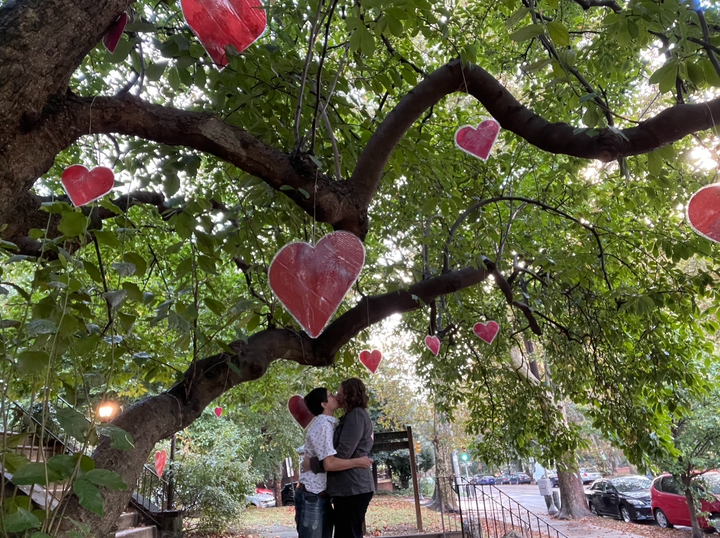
443	496
572	495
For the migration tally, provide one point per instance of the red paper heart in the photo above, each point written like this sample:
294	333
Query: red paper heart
217	411
299	411
311	282
486	331
218	23
703	212
160	457
83	185
433	342
113	35
478	141
371	359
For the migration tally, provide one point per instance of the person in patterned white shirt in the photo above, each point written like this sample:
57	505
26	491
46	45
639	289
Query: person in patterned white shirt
313	511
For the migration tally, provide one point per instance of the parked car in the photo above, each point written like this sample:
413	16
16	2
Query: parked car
589	475
625	497
502	479
287	494
553	477
484	480
262	498
670	507
524	479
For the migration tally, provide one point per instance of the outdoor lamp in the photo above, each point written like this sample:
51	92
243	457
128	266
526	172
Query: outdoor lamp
107	410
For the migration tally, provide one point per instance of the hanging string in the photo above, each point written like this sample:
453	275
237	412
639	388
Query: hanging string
314	207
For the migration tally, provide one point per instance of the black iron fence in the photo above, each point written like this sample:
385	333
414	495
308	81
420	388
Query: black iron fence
484	511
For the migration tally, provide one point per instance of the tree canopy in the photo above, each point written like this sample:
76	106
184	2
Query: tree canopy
341	117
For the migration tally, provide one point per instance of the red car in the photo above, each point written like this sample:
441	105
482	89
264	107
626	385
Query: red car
670	507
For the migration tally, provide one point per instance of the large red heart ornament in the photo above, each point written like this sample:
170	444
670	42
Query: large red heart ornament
433	342
113	35
299	411
217	411
83	185
311	282
703	212
478	141
218	23
371	359
486	331
160	457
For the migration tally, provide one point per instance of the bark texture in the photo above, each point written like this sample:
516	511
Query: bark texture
572	495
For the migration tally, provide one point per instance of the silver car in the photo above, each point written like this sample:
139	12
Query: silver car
588	475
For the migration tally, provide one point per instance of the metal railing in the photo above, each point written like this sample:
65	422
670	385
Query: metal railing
485	511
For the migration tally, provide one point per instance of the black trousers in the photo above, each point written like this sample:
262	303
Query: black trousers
350	514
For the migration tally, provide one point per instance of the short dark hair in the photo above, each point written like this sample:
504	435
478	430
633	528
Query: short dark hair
315	399
354	394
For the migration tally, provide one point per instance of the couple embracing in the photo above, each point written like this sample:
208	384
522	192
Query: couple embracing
336	483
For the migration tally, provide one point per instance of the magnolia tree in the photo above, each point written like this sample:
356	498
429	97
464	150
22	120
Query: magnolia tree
341	117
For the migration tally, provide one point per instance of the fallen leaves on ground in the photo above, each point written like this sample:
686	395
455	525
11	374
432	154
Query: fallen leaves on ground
648	529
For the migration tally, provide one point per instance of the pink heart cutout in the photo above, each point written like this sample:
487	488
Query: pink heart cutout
217	411
160	457
299	411
433	342
113	35
478	141
371	359
703	212
218	23
311	282
486	331
84	186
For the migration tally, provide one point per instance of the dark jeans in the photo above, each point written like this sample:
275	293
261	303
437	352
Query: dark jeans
313	514
350	514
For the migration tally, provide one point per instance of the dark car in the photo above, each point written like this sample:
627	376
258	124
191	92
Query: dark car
287	494
502	479
484	480
553	477
625	497
520	478
670	506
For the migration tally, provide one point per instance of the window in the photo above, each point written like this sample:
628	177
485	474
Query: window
668	485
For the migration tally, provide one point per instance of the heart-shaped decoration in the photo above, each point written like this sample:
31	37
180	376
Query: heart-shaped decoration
299	411
219	23
703	212
160	457
433	342
311	282
478	141
83	185
486	331
217	411
371	359
113	35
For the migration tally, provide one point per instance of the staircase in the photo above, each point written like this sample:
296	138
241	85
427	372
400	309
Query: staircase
147	512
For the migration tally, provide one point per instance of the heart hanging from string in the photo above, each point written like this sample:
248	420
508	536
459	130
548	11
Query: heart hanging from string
84	186
217	411
160	457
371	359
311	282
478	141
486	331
703	212
222	23
115	32
300	411
433	343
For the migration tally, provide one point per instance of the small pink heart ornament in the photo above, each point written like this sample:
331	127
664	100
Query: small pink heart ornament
478	141
486	331
299	411
84	186
115	32
217	411
433	342
371	359
160	457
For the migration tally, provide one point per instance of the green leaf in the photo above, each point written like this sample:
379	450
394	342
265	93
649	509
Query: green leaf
64	464
124	268
121	51
121	439
92	271
73	422
527	32
133	291
13	460
35	473
40	326
558	33
214	305
105	237
155	70
20	521
33	362
103	477
88	495
115	297
72	224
